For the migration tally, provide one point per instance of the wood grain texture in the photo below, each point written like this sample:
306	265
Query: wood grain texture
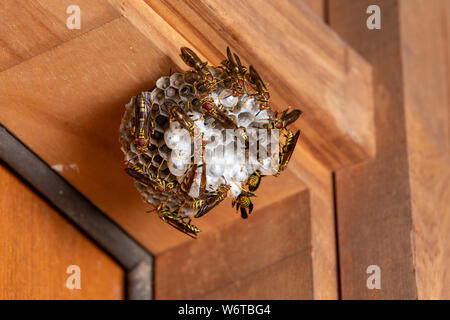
317	6
209	28
77	123
29	28
37	246
319	74
66	103
244	260
287	279
373	198
425	57
95	74
84	132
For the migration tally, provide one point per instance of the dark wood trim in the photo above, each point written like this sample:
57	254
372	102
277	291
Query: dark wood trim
137	262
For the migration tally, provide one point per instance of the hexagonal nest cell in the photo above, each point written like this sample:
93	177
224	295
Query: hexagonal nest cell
204	135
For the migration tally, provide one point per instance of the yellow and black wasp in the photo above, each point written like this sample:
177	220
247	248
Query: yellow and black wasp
188	179
172	218
207	105
235	72
254	180
287	150
150	180
208	83
259	86
191	174
143	123
244	203
213	199
284	120
177	113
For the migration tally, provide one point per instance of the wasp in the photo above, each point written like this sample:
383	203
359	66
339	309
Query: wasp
191	174
208	82
287	150
186	227
236	73
194	203
208	105
254	180
213	199
142	122
156	183
285	119
203	199
259	86
177	113
188	180
244	203
173	219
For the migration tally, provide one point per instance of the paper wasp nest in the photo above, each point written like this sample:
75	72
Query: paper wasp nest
170	134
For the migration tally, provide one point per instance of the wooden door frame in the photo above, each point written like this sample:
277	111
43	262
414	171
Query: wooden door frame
71	204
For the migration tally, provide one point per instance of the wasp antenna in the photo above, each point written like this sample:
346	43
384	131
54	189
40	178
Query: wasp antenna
238	61
231	59
229	56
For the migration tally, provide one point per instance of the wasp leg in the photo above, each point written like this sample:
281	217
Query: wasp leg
244	214
250	208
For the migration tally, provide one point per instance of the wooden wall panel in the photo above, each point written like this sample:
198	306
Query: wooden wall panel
242	260
96	74
34	26
66	104
288	279
317	6
306	65
64	94
209	26
77	124
37	246
425	57
373	198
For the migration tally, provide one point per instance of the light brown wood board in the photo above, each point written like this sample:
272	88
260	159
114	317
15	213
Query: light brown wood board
373	201
38	245
236	260
425	57
319	7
